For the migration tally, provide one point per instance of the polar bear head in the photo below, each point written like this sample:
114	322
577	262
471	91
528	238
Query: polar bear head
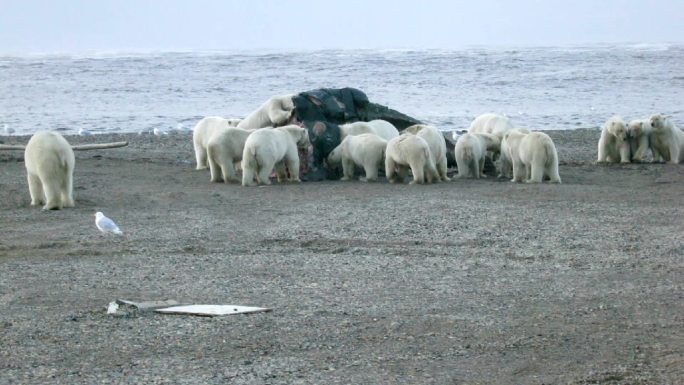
616	127
299	134
660	122
636	128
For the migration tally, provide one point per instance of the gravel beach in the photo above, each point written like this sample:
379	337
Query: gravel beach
464	282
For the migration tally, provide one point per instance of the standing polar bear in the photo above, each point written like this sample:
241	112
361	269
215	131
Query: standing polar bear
470	151
273	147
203	131
408	150
276	111
539	157
50	164
223	150
490	124
668	140
639	138
437	143
379	127
365	150
613	145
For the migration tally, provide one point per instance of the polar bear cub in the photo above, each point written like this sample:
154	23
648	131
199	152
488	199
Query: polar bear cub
267	148
408	150
50	162
613	145
639	138
538	154
470	151
437	143
379	127
365	150
223	150
276	111
668	140
203	131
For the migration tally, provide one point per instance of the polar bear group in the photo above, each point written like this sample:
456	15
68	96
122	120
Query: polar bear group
625	143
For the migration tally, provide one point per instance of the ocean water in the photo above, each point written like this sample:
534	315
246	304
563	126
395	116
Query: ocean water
538	88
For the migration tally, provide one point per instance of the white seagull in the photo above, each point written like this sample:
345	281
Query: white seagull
106	225
84	132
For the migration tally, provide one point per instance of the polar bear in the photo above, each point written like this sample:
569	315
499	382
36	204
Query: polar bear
267	148
490	124
408	150
668	140
470	151
225	148
435	140
613	145
203	131
639	138
510	154
365	150
379	127
50	162
276	111
539	157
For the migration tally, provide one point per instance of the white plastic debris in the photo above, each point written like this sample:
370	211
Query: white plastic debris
211	310
144	305
112	308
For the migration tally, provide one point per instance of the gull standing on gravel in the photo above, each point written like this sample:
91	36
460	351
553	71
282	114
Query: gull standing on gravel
106	225
84	132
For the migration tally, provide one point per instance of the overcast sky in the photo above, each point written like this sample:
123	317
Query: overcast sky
44	26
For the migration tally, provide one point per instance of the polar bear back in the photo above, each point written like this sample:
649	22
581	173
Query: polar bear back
48	154
206	127
355	128
363	149
276	111
384	129
407	147
537	147
490	123
230	141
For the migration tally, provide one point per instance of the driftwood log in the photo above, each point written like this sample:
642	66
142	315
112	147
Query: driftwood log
79	147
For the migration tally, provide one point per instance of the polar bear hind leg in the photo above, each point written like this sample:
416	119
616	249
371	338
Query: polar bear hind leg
348	168
36	190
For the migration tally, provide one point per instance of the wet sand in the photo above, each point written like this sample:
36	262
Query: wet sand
471	281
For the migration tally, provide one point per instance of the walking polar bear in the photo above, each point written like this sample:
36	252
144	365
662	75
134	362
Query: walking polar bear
639	133
50	162
276	111
613	145
267	148
668	140
532	156
437	144
408	150
365	150
379	127
224	149
203	131
470	151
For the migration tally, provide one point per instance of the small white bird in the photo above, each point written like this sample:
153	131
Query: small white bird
84	132
159	131
6	128
106	225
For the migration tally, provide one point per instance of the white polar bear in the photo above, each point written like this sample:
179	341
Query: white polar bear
510	154
267	148
203	131
276	111
379	127
639	137
538	154
470	151
668	140
613	145
437	143
365	150
223	150
490	124
50	162
408	150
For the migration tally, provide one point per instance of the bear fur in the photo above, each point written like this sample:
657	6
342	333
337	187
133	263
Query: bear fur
470	151
379	127
365	150
276	111
203	131
639	137
408	150
50	162
510	154
539	157
490	124
435	140
224	149
668	140
267	148
505	161
613	145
